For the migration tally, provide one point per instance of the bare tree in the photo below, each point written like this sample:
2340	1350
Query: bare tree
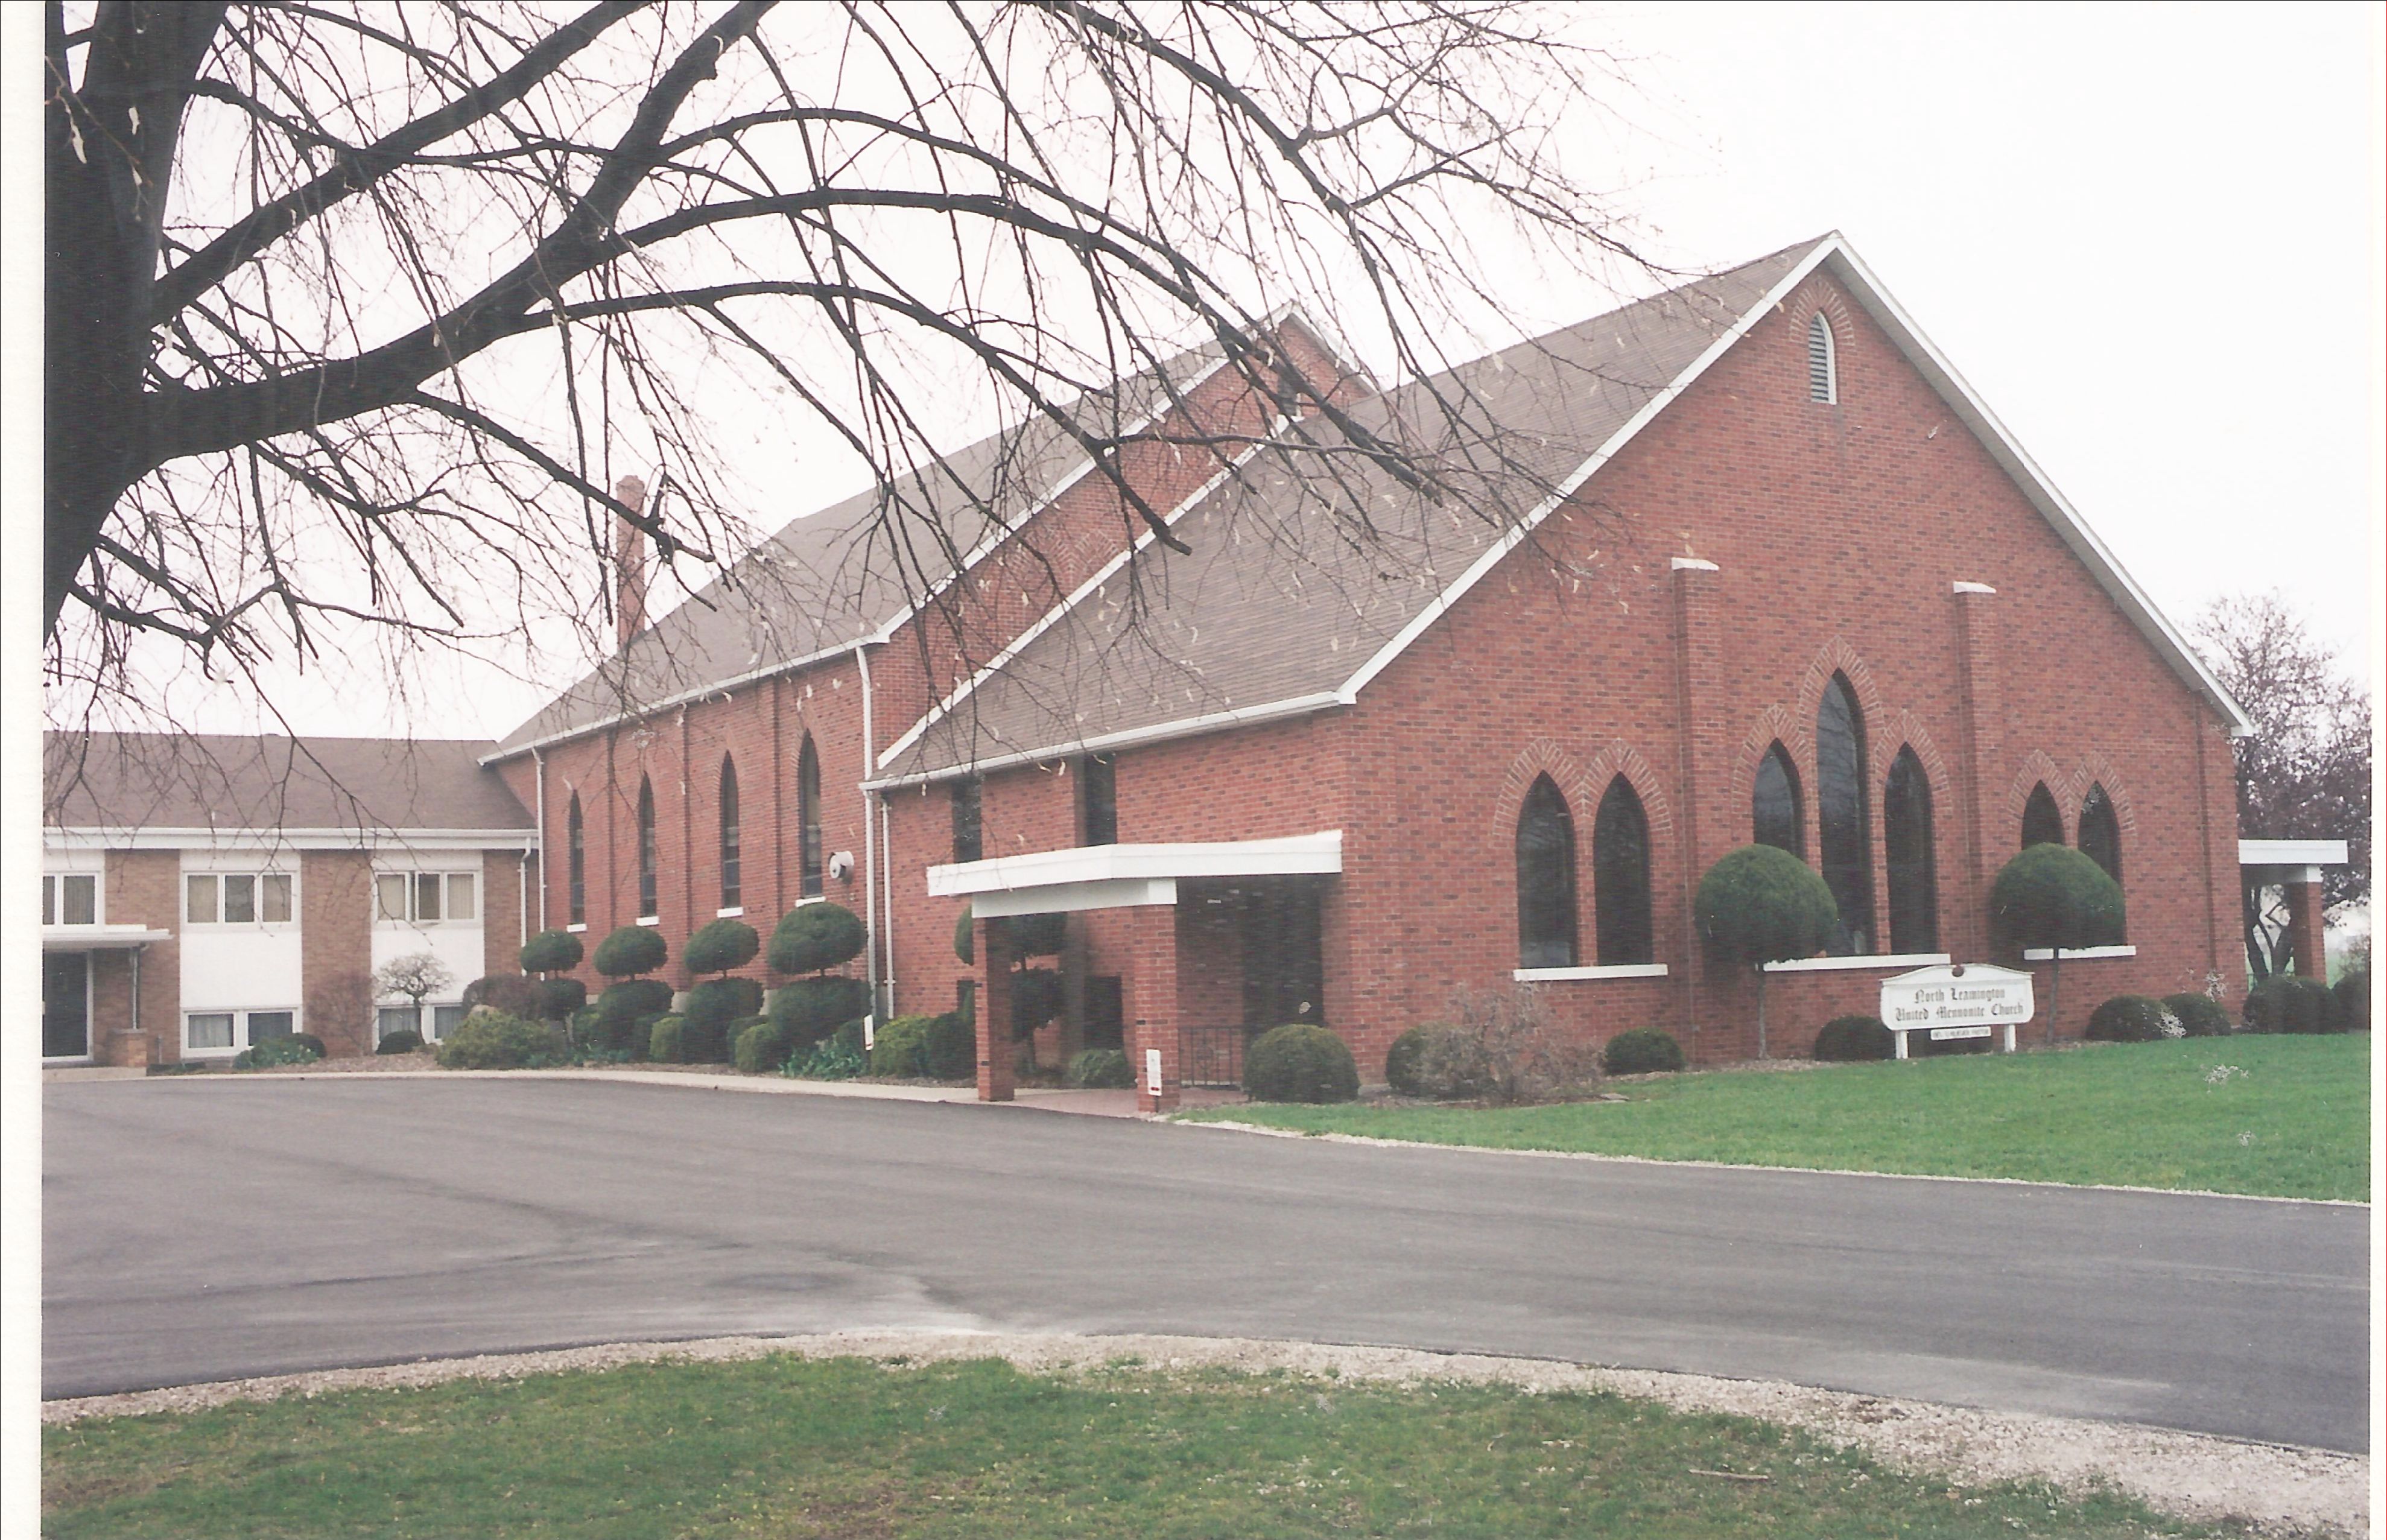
354	310
2305	771
418	976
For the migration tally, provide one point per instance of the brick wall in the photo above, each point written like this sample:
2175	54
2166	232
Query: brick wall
335	966
143	887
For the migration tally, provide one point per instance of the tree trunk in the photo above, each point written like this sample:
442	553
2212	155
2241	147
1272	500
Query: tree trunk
1760	1010
2054	990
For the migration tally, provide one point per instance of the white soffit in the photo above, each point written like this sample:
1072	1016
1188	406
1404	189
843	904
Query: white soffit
2291	852
1043	877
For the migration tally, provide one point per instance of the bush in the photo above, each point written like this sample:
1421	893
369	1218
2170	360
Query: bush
1036	998
1101	1069
666	1039
1403	1061
837	1056
710	1009
1299	1062
965	936
406	1040
895	1048
2200	1016
2284	1003
1760	905
631	950
718	947
2353	992
1644	1050
642	1035
549	952
620	1009
810	1009
508	993
1847	1039
561	998
759	1045
2054	896
816	937
294	1048
2133	1018
948	1050
489	1039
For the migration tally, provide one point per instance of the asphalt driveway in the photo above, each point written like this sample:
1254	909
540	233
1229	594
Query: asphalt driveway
212	1229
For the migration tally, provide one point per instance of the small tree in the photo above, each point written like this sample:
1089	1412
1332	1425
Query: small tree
721	946
1758	905
2055	897
816	937
631	950
418	976
550	951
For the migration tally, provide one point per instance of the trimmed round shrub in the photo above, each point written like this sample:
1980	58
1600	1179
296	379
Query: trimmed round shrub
587	1027
623	1006
1760	905
406	1040
561	998
710	1009
1039	935
642	1034
1101	1069
2284	1003
294	1048
760	1046
1646	1050
631	950
718	947
1847	1039
949	1049
509	992
550	951
2200	1016
965	936
490	1039
2132	1019
1036	998
810	1009
1299	1062
816	937
2054	896
1402	1063
2353	992
667	1041
895	1049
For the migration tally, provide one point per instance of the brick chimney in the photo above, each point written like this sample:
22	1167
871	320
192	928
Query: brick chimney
629	563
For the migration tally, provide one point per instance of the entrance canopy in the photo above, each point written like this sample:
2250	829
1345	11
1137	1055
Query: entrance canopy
1115	876
99	938
2292	860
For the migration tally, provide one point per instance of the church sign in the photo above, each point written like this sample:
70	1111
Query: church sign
1961	999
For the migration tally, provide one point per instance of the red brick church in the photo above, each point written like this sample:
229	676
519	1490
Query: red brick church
1776	574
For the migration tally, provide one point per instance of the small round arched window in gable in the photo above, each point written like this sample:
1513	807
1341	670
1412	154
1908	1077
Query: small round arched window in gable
1544	879
2042	821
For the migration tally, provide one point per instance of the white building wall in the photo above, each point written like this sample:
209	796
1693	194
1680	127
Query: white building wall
252	965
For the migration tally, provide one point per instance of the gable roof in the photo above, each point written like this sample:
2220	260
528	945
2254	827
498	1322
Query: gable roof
1234	637
272	785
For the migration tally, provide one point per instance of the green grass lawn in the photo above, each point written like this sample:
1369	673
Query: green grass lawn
788	1447
2291	1118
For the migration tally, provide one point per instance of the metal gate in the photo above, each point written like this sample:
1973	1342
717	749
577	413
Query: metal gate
1211	1057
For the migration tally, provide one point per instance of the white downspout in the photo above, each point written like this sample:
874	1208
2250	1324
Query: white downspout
880	1009
538	795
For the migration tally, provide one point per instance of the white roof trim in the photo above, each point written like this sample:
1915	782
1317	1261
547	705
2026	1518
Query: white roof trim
1294	855
2291	852
99	938
168	839
1103	743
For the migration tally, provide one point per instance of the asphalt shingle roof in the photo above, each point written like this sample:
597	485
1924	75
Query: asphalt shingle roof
230	784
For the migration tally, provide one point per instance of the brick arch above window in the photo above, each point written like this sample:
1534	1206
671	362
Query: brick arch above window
1540	757
1903	729
2037	768
2095	769
1836	656
1622	759
1775	724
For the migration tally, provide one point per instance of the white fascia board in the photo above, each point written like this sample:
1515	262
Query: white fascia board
1317	855
2052	504
1131	737
99	938
155	839
1072	898
683	698
2291	852
1499	548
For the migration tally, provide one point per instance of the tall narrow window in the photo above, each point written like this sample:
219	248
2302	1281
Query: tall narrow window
648	908
1544	879
1841	817
575	861
1097	800
808	817
1773	811
969	843
1620	875
732	889
1823	365
2101	832
1914	880
2042	822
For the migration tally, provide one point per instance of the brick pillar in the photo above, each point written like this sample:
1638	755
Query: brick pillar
145	887
1702	756
1073	988
2307	938
335	959
1151	1002
1980	779
994	1045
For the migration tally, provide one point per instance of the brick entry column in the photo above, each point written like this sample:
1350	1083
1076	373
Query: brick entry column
1981	706
1151	1002
2307	938
994	1046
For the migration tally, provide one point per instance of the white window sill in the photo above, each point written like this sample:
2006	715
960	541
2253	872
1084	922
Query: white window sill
816	898
650	919
576	930
2047	954
734	912
1870	960
1610	970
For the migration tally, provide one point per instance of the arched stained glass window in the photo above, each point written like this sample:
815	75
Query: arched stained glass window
1774	809
575	861
1620	875
647	905
1544	879
808	817
1913	876
2101	832
2042	822
1822	362
1842	818
732	887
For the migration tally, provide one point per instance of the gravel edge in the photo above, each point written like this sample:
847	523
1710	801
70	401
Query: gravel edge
2274	1488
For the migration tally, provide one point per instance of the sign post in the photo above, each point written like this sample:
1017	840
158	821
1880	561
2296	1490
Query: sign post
1961	999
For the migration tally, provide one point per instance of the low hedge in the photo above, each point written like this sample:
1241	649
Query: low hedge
2200	1016
2353	993
1848	1039
668	1040
1101	1069
1642	1050
710	1009
757	1045
810	1009
488	1040
2284	1003
895	1049
406	1040
2132	1019
1299	1062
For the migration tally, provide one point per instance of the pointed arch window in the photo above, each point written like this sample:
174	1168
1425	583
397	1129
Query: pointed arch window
1544	879
732	887
1774	811
1823	360
2100	831
576	865
1913	876
2042	821
808	817
1620	875
1842	819
647	905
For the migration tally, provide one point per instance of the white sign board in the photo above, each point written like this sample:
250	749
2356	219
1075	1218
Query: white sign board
1152	1071
1961	999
